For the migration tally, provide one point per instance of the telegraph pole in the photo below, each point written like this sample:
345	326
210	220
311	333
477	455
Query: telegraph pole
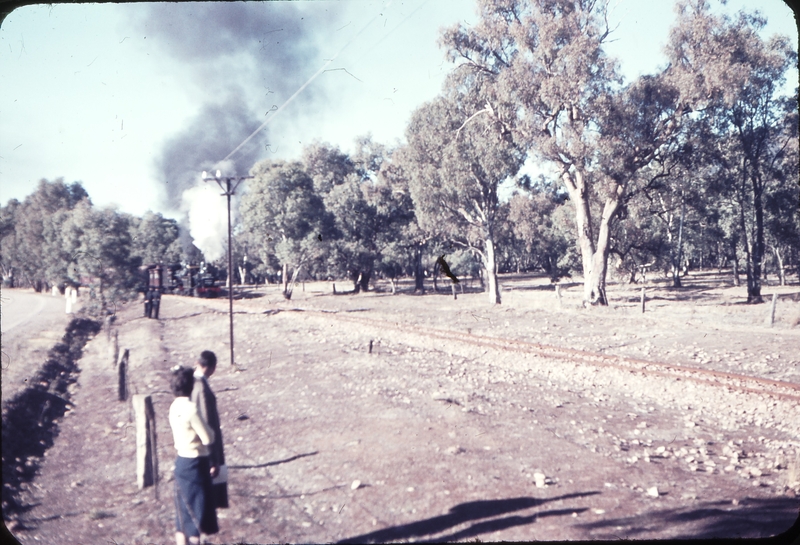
224	182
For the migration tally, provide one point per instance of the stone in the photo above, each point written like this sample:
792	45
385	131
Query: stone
652	492
355	485
539	479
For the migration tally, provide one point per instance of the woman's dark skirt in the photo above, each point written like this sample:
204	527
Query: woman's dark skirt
194	504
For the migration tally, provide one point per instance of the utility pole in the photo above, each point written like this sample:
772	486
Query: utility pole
224	182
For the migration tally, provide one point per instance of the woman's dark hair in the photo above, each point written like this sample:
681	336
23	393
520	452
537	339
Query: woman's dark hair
207	359
182	382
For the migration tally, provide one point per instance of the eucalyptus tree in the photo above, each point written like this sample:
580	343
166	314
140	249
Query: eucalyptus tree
455	159
39	256
399	240
284	215
409	243
9	260
354	248
155	239
344	183
543	231
560	95
101	257
729	74
782	202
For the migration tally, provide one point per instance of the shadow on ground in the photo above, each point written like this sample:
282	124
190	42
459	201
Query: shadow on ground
276	462
466	512
752	518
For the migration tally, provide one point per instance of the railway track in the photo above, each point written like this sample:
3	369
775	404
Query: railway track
729	381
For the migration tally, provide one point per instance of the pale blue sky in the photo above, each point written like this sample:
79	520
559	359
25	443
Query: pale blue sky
91	93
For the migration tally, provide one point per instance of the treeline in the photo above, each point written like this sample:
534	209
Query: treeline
57	238
694	166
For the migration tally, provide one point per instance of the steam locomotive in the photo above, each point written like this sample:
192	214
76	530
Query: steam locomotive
181	279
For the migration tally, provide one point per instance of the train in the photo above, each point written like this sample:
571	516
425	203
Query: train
181	279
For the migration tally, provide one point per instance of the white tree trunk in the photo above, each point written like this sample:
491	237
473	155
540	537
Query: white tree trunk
491	272
781	270
594	288
288	291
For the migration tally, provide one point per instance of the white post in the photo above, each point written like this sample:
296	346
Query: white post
146	459
771	317
68	297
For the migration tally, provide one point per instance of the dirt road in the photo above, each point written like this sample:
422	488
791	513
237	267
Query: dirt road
31	324
426	440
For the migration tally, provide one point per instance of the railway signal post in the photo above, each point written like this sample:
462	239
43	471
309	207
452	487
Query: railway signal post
228	184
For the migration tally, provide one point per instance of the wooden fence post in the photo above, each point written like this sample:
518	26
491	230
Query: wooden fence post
558	293
122	371
146	453
114	348
643	298
771	317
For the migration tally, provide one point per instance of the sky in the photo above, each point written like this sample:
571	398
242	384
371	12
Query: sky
135	100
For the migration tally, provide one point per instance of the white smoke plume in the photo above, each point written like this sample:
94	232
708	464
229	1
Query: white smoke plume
247	57
207	213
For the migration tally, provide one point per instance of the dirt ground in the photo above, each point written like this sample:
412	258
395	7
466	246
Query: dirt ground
31	324
433	439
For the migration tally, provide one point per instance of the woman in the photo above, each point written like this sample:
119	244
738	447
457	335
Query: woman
194	507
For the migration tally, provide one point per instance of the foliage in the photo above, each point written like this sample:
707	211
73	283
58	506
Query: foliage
457	156
155	239
32	248
284	216
102	259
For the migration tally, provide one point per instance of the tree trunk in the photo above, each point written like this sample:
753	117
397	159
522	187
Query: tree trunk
595	287
491	271
287	293
365	278
781	269
754	287
676	277
391	281
419	274
579	196
594	258
285	278
735	257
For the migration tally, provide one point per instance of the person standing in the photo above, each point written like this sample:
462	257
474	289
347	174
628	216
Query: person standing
206	403
194	508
